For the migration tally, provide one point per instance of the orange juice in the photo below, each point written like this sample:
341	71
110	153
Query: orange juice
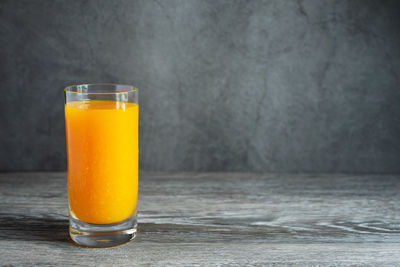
102	148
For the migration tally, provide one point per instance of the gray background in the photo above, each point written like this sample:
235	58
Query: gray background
282	86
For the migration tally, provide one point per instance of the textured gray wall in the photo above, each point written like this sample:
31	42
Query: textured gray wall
283	86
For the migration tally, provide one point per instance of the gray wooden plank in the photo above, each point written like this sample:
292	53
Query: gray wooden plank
219	218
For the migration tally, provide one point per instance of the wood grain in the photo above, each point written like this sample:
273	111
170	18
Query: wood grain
215	219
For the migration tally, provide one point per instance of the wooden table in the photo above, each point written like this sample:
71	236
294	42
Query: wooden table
215	219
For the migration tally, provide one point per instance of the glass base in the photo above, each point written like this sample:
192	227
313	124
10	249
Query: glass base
102	235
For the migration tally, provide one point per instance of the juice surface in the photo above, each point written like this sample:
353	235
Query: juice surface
102	148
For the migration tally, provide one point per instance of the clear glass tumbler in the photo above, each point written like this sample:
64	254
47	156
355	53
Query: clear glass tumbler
101	122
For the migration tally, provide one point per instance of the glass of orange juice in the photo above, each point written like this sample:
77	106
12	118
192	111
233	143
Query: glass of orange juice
101	122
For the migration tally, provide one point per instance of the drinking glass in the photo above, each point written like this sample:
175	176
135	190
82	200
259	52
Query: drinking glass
101	122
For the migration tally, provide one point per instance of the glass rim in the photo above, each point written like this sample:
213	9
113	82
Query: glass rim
69	88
